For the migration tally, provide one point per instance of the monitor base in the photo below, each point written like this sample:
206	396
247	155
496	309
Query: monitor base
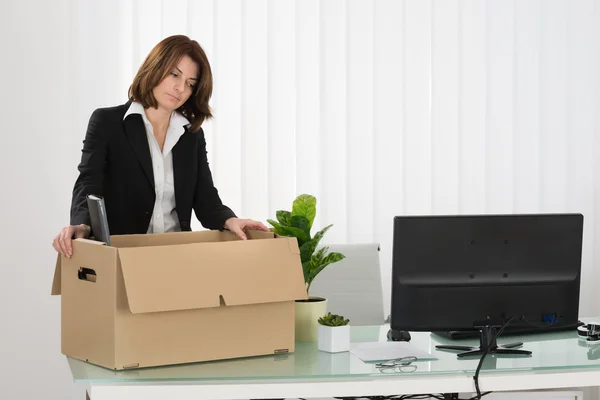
487	339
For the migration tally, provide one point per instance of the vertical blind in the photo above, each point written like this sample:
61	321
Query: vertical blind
382	107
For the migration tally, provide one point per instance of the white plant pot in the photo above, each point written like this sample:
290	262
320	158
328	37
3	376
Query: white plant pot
334	339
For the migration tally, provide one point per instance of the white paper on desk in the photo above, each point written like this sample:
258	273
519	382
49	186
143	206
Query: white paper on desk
381	351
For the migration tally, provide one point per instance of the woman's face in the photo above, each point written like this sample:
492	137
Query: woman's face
178	86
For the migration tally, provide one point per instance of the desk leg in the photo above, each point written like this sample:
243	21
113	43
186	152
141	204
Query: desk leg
87	389
450	396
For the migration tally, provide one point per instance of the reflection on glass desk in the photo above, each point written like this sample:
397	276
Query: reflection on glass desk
561	350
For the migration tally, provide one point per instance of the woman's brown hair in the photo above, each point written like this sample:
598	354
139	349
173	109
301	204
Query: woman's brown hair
160	62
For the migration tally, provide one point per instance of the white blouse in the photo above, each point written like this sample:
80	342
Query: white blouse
164	215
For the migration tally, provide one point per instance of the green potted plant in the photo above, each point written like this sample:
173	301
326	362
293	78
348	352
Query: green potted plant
334	333
298	223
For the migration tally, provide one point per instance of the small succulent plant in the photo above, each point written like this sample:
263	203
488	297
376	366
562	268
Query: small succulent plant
333	320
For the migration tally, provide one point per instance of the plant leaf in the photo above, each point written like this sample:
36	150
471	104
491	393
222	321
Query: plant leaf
283	217
300	222
295	232
277	228
275	224
314	263
306	269
319	235
305	205
307	250
317	258
328	259
333	320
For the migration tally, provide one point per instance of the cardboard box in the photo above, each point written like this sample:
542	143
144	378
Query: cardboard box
173	298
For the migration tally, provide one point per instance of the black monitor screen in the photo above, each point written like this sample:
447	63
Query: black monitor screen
463	272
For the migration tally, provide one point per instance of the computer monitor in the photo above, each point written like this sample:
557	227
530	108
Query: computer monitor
475	272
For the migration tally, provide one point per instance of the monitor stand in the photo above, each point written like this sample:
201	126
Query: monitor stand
487	338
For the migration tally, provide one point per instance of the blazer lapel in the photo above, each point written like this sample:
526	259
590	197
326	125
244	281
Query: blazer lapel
136	134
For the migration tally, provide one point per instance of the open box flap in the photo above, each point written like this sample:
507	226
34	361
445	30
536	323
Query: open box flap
204	275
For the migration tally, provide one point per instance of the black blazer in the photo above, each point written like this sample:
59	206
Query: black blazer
117	165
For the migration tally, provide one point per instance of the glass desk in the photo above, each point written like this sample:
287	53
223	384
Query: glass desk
559	360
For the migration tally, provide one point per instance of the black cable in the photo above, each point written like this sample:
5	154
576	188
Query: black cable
478	396
487	349
438	396
408	397
396	397
369	397
482	394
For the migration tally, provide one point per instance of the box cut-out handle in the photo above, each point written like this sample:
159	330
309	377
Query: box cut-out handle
86	274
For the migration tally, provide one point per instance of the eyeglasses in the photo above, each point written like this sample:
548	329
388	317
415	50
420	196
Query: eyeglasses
403	364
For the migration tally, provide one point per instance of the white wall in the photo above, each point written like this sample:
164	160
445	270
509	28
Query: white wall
442	106
39	152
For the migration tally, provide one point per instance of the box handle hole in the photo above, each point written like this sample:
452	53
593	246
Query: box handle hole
86	274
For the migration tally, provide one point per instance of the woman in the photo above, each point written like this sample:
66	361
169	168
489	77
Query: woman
147	157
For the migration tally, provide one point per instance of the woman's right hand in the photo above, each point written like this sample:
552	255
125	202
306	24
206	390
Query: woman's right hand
62	243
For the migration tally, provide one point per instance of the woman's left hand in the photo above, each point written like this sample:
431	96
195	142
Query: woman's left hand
238	226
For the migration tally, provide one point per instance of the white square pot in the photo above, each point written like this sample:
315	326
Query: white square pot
334	339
